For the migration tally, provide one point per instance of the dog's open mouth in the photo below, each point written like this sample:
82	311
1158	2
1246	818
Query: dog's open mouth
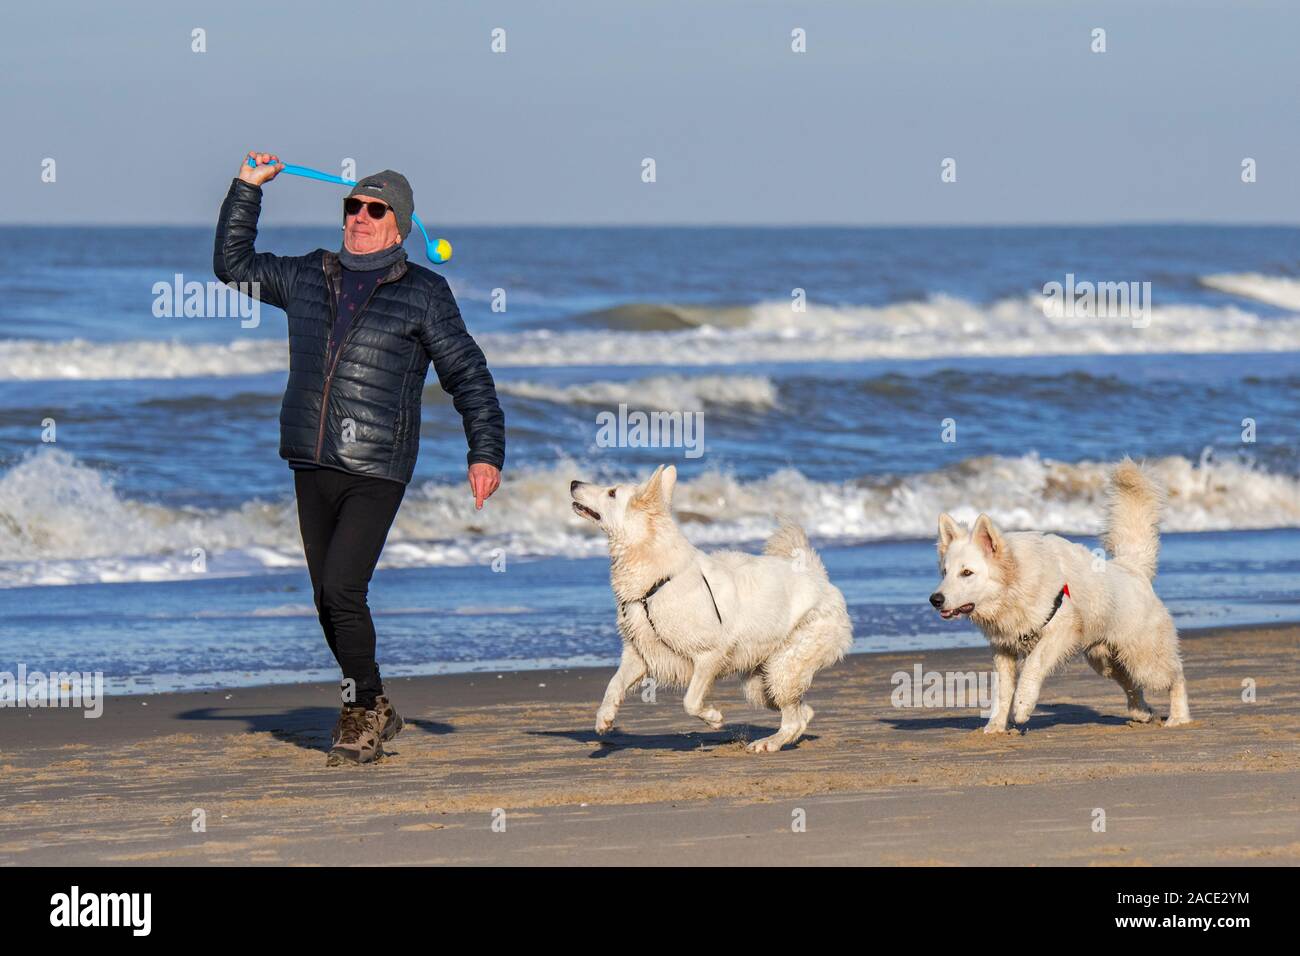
949	613
582	511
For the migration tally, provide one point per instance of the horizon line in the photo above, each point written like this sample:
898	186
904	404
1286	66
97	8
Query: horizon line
1154	223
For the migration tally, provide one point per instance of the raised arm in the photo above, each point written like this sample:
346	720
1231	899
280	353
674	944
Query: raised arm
261	275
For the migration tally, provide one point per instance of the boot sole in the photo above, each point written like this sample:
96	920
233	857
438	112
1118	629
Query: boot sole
340	758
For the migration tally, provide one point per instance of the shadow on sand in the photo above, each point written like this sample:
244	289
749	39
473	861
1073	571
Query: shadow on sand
1044	716
617	740
306	727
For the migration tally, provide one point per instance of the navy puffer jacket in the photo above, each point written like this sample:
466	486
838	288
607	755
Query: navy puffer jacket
377	375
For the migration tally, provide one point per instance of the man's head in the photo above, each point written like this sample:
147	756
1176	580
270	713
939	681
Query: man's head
383	215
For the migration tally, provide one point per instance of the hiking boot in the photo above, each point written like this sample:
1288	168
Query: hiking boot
390	721
356	738
337	732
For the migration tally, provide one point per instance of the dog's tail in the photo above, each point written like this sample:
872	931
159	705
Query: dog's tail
1132	520
789	541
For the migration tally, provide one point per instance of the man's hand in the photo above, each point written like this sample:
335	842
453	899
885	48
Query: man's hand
267	168
483	480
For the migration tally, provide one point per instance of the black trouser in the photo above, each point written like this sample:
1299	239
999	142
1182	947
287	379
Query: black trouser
344	520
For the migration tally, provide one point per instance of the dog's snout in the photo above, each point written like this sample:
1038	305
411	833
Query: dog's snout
937	599
573	486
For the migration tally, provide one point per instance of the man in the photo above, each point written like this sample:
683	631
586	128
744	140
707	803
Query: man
364	325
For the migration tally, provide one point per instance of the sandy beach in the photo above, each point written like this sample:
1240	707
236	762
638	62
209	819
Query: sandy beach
872	784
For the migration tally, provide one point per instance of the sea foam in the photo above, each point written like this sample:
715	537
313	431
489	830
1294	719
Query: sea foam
937	327
63	522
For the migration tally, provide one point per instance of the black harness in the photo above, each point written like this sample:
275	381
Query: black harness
1030	639
644	600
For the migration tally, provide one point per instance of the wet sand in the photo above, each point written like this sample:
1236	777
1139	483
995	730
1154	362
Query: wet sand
506	769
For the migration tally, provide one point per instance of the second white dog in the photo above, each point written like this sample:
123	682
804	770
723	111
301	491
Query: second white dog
1040	599
688	618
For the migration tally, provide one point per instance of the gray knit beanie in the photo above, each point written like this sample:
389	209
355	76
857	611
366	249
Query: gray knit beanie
392	188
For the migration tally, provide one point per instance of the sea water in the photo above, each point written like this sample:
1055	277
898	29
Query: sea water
858	380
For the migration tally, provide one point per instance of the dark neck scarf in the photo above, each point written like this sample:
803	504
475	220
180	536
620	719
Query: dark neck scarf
372	260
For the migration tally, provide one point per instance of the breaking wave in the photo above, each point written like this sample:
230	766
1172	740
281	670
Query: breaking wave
662	392
62	522
938	327
661	317
1281	291
31	360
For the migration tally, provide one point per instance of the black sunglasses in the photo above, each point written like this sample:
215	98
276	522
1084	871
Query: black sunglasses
352	205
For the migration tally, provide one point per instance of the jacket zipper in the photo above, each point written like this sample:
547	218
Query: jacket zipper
329	376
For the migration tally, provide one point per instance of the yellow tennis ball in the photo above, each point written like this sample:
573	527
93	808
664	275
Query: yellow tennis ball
442	250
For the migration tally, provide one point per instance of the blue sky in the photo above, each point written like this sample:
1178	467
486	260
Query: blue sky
742	130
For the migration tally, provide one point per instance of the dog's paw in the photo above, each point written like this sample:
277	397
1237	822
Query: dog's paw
998	728
1177	721
768	745
711	716
605	720
1141	716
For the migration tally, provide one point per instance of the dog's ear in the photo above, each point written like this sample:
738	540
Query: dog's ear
667	482
987	536
649	496
948	532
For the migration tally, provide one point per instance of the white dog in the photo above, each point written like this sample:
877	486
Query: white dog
1040	599
688	618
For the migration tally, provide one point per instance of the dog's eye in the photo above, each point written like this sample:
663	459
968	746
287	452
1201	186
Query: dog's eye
612	492
967	573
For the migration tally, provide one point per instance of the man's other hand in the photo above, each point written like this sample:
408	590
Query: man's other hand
267	168
483	480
